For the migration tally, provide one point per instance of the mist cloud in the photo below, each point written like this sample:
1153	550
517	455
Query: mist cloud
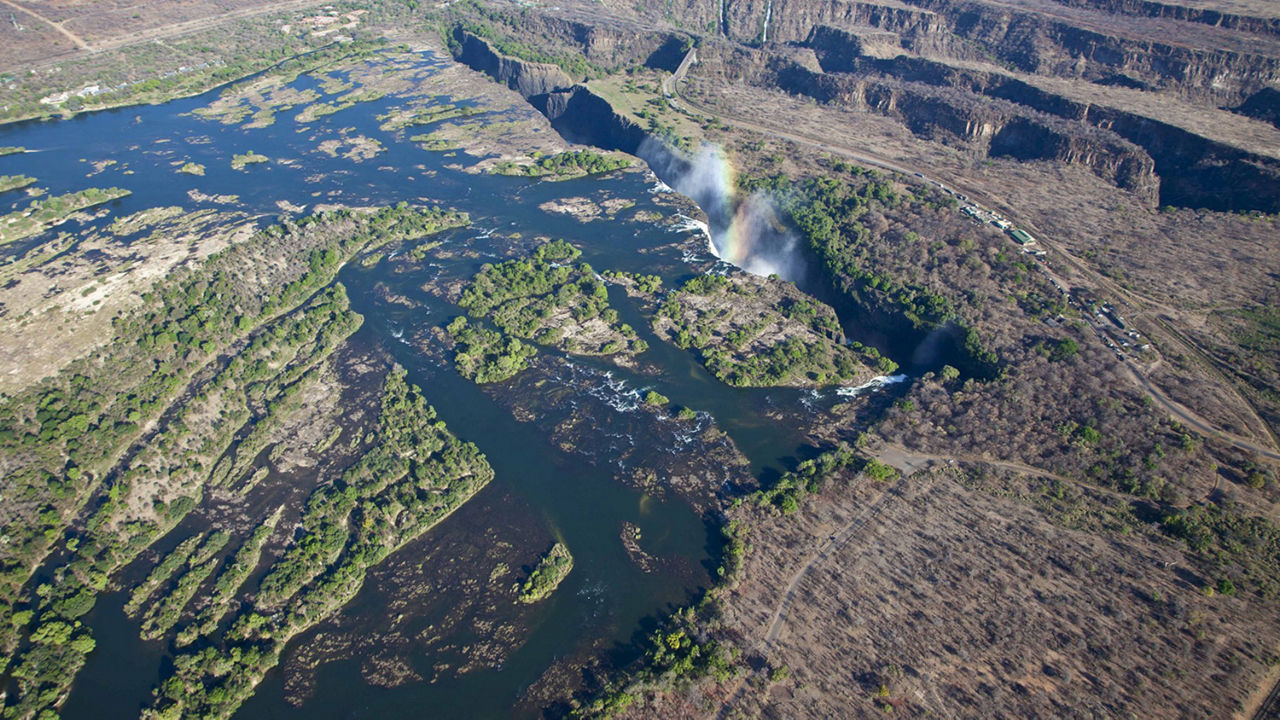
745	231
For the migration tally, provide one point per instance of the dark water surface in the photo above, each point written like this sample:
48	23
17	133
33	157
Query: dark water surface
541	491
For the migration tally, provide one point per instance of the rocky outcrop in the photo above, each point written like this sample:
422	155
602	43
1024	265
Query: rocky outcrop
1184	13
1263	105
526	78
1193	171
953	115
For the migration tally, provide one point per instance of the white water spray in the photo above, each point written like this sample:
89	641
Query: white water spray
744	231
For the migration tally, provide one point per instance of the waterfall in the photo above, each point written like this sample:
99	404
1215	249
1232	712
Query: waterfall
768	13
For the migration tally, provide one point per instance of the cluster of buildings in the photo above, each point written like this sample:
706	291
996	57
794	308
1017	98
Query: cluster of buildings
89	91
1110	327
1025	240
328	22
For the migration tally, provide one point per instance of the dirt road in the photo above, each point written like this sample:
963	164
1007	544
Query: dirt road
815	559
170	30
56	26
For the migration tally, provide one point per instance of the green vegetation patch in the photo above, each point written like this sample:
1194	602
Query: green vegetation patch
43	214
415	476
239	161
11	150
429	115
1243	550
430	141
547	298
570	163
757	332
269	305
229	581
829	211
483	355
14	182
315	111
547	575
192	168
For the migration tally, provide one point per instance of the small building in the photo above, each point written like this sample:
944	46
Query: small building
1022	237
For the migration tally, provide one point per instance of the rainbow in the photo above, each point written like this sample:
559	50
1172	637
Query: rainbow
741	231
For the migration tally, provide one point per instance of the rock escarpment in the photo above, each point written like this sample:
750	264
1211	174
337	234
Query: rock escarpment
526	78
1189	170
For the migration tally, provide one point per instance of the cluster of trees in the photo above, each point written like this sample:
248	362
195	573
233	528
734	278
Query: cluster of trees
71	431
548	298
842	218
1245	550
570	163
165	609
678	652
228	583
643	283
484	355
725	333
810	477
416	474
551	570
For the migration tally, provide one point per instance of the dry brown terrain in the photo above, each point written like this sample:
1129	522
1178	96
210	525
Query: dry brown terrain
55	310
81	27
946	595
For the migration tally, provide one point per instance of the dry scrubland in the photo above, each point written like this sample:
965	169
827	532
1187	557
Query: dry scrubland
1090	589
1076	552
954	598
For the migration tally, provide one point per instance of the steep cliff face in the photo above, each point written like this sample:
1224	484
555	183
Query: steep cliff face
581	116
609	44
1050	45
1143	57
1192	170
524	77
1023	139
1183	13
944	113
575	112
793	20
